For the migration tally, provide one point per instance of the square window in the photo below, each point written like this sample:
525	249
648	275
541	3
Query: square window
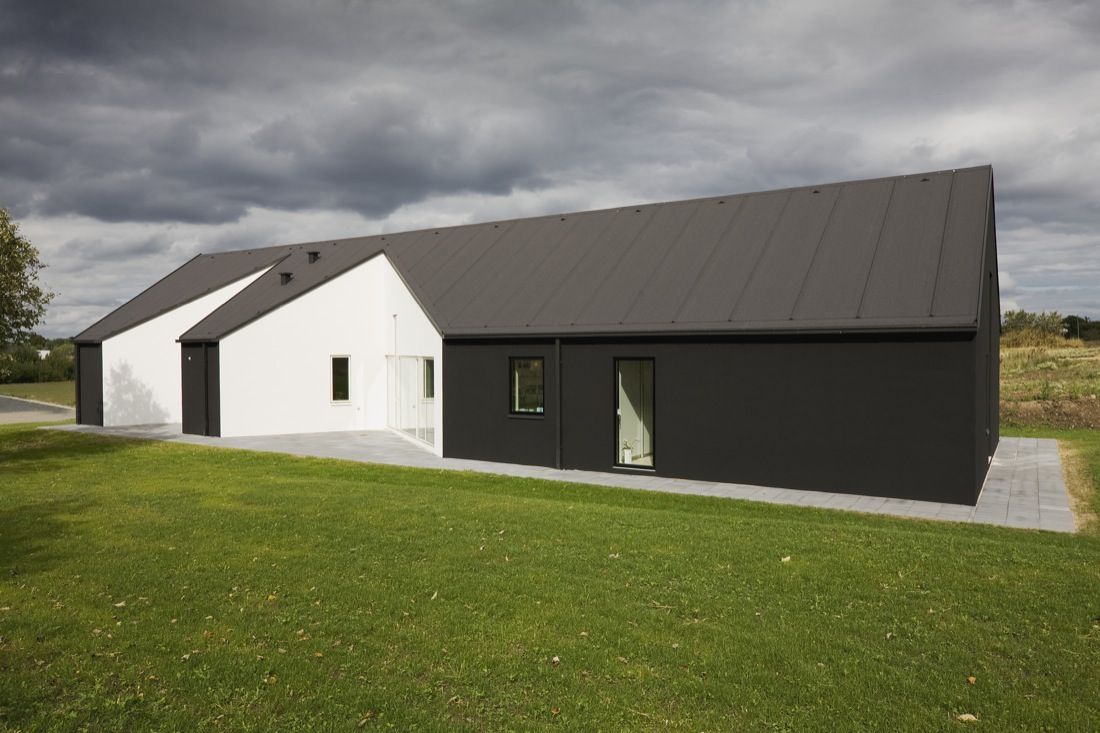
526	376
340	382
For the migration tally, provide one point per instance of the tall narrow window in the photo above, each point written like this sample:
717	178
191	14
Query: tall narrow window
340	381
429	379
634	412
526	375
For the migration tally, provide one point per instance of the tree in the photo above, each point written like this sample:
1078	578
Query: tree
22	300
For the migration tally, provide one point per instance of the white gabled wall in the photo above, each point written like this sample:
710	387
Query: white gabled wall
141	366
275	372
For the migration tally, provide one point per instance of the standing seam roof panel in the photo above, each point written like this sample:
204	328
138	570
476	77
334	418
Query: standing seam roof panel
482	275
669	286
613	299
493	298
835	283
961	264
565	305
903	276
521	308
721	283
774	288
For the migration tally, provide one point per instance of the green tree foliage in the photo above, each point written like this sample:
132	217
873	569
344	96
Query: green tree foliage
22	363
1081	327
1021	320
22	300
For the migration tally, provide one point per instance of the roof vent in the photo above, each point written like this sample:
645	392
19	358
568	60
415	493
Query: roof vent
313	256
285	277
924	180
817	190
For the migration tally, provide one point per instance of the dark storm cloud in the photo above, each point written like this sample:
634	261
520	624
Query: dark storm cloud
163	127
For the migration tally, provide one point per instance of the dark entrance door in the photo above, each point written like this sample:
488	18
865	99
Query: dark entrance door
89	384
201	393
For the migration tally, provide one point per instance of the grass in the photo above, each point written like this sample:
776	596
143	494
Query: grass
1053	391
151	586
58	393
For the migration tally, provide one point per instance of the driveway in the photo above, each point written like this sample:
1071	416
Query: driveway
15	410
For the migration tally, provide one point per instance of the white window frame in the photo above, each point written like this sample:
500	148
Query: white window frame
332	381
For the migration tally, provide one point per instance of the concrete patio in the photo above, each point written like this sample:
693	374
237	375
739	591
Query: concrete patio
1024	488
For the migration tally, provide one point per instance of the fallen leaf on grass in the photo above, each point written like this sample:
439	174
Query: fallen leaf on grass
556	660
785	559
120	604
972	679
967	718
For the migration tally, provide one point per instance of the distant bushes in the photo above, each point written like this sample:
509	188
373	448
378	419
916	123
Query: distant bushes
20	364
1021	328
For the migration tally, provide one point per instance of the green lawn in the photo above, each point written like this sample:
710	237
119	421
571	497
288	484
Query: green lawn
59	393
151	586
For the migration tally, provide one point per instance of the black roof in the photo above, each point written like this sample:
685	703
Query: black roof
900	253
195	278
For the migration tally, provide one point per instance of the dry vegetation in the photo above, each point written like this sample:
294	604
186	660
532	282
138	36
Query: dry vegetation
1054	386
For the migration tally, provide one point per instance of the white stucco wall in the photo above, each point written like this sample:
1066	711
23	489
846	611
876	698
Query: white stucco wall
141	366
275	372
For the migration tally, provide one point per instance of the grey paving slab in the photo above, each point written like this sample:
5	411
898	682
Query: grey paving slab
1024	487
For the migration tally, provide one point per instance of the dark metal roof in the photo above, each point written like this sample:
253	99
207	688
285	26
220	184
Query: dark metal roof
197	277
902	253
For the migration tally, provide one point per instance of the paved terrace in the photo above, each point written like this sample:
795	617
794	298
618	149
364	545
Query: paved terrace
1024	487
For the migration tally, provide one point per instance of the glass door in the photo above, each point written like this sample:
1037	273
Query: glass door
410	403
634	412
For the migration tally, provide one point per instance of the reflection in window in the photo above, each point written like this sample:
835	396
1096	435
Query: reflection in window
527	385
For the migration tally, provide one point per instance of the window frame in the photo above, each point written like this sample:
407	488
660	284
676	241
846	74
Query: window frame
652	468
332	379
512	387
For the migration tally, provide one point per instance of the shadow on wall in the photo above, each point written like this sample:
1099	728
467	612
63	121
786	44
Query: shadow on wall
129	401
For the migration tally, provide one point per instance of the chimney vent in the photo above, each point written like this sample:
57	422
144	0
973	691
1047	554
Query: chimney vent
285	277
313	256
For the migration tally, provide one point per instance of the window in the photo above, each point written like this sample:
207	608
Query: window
429	379
340	382
634	412
526	386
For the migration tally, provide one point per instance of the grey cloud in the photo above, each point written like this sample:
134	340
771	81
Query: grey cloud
197	113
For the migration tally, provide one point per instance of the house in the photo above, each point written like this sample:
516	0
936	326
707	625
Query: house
841	337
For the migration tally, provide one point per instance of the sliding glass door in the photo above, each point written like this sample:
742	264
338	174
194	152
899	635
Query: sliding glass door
634	412
410	403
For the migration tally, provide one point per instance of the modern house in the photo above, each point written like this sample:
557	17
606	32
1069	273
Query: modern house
841	337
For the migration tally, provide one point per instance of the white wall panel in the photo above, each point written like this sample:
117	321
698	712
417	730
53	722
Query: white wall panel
141	366
275	371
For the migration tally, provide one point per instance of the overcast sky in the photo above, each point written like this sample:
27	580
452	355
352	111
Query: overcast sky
134	135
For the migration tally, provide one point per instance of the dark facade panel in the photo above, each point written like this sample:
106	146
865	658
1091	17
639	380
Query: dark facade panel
888	417
476	392
89	384
201	389
903	274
